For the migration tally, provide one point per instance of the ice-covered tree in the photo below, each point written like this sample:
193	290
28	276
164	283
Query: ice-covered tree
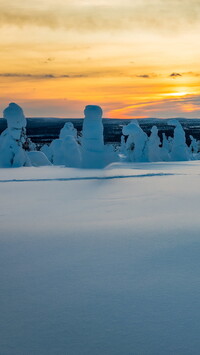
166	148
135	146
153	146
12	139
16	149
193	146
65	150
92	142
179	149
68	130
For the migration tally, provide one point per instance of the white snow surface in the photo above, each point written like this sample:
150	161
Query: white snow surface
100	262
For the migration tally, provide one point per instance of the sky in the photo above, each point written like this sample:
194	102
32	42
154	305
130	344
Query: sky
134	58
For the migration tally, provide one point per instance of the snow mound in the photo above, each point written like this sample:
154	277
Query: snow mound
38	159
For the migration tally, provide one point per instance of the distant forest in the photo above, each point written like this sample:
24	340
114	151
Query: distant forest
44	130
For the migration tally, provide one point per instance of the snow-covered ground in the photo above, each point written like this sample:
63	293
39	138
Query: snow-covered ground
100	262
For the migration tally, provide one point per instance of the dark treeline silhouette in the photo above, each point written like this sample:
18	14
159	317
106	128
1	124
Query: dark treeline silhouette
44	130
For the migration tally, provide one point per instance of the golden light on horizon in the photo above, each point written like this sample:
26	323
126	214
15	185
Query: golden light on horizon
176	94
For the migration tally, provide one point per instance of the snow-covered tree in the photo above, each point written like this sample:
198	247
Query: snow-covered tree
179	149
65	150
153	146
166	148
193	148
13	138
135	147
16	149
92	141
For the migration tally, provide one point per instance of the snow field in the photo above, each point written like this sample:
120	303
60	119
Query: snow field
100	261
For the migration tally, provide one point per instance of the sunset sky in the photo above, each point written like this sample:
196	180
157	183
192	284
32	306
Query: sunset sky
135	58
